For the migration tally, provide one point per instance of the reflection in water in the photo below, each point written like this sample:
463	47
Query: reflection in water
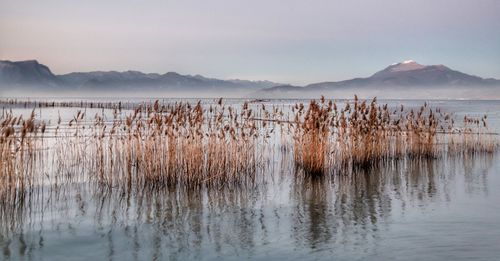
299	213
346	209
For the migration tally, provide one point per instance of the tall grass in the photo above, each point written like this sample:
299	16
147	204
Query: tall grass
20	156
181	144
330	139
215	145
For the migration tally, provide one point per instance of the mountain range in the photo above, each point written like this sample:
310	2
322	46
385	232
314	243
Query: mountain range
405	74
33	76
407	78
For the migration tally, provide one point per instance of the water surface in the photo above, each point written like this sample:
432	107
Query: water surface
436	209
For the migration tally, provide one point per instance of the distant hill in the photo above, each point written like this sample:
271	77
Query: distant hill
412	74
26	73
405	80
170	80
31	75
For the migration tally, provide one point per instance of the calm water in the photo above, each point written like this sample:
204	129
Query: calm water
446	209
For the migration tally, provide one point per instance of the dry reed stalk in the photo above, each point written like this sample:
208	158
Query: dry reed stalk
184	145
328	139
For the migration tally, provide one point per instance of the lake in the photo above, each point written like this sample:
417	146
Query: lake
446	208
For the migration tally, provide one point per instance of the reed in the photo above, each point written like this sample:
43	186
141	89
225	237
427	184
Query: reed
20	156
363	133
214	145
178	145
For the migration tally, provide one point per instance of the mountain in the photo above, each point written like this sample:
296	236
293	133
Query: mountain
31	75
405	79
26	73
152	81
411	74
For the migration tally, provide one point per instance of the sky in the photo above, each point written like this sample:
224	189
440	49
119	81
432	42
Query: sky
296	42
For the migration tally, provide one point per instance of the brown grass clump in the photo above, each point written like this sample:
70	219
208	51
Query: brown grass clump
362	134
174	145
19	155
473	137
312	137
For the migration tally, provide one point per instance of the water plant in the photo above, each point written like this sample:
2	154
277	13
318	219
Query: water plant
180	144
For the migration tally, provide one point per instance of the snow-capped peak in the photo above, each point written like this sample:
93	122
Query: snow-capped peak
404	62
407	65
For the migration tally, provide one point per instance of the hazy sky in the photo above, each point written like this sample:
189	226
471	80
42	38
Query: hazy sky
286	41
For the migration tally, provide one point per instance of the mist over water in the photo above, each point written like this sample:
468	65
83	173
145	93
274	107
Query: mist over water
35	93
383	92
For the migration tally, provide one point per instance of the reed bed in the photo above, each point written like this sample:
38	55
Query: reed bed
173	145
329	139
214	145
20	156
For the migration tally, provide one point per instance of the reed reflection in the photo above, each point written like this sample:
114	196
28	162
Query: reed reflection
331	211
320	213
